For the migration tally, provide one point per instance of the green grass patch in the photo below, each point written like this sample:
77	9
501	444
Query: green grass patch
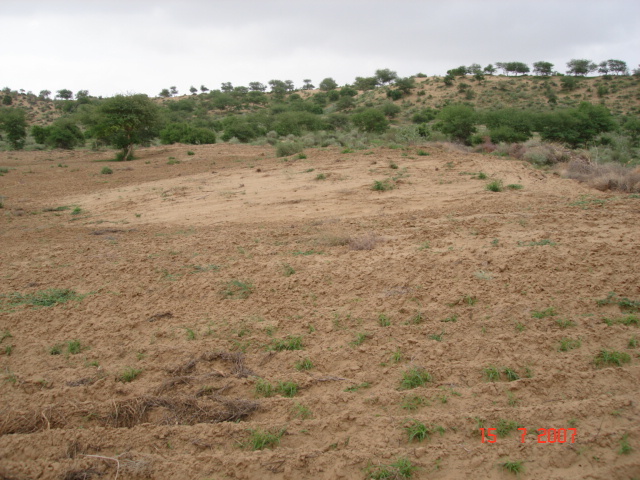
401	468
547	312
43	298
611	357
129	374
290	342
260	439
237	289
414	377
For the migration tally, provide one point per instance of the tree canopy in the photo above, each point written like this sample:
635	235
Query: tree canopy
126	120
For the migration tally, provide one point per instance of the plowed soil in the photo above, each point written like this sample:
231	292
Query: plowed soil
144	314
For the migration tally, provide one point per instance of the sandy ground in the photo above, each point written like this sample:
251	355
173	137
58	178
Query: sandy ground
197	274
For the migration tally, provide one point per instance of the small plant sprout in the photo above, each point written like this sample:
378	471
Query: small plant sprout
301	411
611	357
547	312
567	344
360	338
261	439
495	186
263	388
287	389
513	467
400	469
625	446
492	373
417	431
511	374
304	364
414	377
290	342
384	320
413	402
129	374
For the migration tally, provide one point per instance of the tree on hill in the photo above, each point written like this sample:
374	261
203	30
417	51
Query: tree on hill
489	69
203	89
44	94
307	84
580	67
461	71
384	76
193	90
13	123
226	87
618	67
328	84
543	68
65	94
173	90
517	67
165	93
365	83
126	120
257	87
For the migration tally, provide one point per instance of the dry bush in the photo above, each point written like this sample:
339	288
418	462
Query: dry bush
178	410
608	176
30	422
333	238
368	241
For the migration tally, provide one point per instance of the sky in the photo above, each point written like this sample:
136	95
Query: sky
142	46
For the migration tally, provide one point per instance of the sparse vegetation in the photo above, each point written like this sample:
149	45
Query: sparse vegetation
611	357
415	377
401	468
129	374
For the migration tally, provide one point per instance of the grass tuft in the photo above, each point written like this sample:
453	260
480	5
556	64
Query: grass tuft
414	377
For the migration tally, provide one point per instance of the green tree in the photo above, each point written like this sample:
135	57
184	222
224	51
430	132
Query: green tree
365	83
173	90
13	123
7	100
257	87
618	67
328	84
307	84
576	126
63	133
580	67
226	87
461	71
193	90
185	133
543	68
384	76
44	94
457	121
65	94
126	120
165	93
370	120
489	69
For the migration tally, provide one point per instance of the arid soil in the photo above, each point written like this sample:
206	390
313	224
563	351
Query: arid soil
183	290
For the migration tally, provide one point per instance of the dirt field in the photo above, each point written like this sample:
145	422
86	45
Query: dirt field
156	322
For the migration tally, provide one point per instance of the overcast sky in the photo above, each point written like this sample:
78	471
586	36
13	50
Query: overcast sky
141	46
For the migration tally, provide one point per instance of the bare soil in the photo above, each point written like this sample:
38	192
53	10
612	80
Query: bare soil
196	275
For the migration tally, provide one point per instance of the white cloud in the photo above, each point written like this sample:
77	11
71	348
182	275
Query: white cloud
117	46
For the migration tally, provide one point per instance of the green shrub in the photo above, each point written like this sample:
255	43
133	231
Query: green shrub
284	149
458	122
106	171
185	133
370	120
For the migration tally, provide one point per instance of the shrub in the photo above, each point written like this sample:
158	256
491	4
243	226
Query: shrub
370	120
185	133
608	176
457	121
414	377
106	171
284	149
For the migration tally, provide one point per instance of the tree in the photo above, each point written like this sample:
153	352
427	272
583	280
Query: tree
278	87
365	83
457	121
517	67
603	68
193	90
126	120
65	94
370	120
618	67
307	84
173	90
328	84
576	126
7	100
257	87
543	68
185	133
405	85
165	93
63	133
13	123
44	94
489	69
384	76
461	71
474	69
226	87
289	85
580	67
203	89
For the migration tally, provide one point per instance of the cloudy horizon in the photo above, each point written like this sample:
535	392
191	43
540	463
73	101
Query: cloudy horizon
144	46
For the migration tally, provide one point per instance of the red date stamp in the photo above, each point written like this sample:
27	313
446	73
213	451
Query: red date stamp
545	435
